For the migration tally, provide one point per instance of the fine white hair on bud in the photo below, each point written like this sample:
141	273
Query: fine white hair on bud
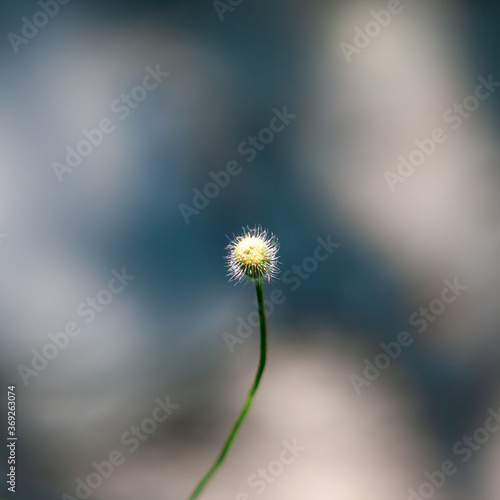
253	255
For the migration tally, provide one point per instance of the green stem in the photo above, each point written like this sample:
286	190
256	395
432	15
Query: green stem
248	401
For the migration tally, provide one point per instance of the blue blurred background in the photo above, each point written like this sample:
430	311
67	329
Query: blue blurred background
132	204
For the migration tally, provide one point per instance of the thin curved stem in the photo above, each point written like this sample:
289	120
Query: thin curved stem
248	401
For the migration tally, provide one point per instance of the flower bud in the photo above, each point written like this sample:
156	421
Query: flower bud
253	255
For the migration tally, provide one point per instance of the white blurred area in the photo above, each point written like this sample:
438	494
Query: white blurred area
97	383
443	221
356	447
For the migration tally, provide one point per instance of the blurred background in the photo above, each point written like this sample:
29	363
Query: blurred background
116	119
